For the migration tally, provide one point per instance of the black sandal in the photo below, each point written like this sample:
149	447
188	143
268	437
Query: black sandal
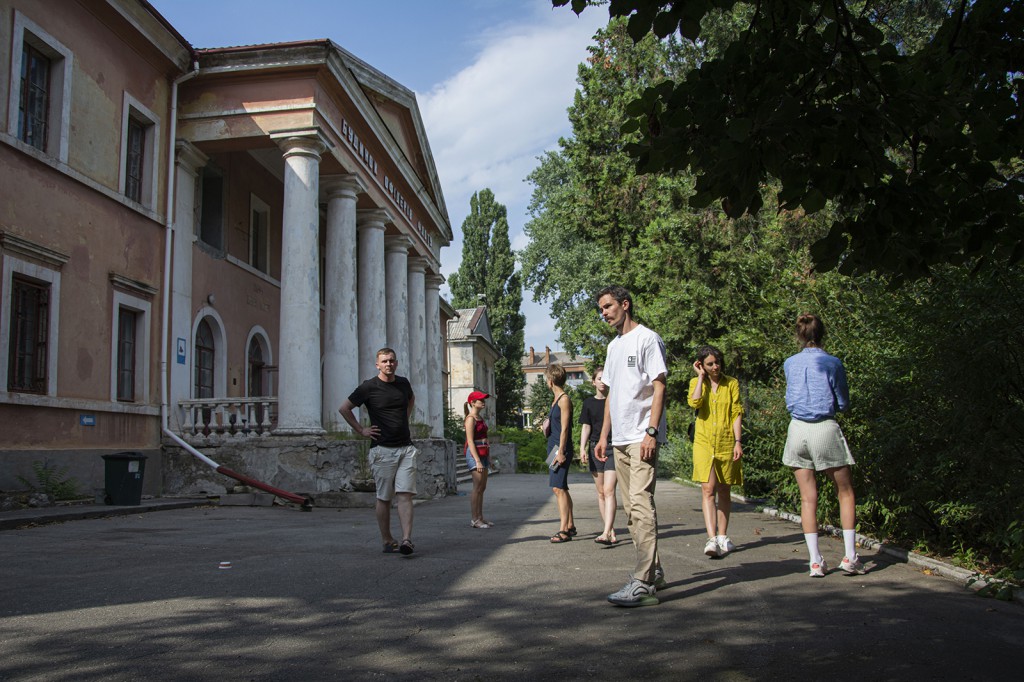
561	536
406	547
572	531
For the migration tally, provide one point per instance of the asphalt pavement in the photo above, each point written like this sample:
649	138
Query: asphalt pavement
273	593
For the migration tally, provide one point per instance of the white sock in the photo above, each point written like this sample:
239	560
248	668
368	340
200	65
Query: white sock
812	547
850	541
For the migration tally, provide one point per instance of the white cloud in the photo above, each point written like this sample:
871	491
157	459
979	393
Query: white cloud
489	122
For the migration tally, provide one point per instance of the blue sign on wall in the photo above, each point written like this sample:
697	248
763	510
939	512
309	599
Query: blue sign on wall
87	420
181	351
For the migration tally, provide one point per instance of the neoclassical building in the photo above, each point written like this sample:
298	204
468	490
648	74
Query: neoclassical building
202	243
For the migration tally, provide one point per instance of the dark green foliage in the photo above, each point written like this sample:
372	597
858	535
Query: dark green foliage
904	114
531	451
52	480
487	277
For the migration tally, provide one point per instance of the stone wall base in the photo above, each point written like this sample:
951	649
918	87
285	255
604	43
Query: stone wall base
306	465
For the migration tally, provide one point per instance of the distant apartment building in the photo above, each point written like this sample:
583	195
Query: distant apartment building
534	363
201	243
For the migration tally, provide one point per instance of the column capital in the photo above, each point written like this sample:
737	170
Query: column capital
417	264
373	218
341	186
303	142
434	280
188	156
397	242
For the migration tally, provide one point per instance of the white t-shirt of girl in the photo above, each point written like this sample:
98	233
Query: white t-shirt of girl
633	362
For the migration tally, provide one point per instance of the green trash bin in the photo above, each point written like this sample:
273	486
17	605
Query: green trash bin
123	478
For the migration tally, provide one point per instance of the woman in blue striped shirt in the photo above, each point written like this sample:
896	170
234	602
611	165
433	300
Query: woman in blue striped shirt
815	390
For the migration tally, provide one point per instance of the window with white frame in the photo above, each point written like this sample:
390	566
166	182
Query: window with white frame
130	349
140	132
29	327
39	101
259	234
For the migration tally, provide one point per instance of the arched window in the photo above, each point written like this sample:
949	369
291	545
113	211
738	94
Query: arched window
204	361
256	365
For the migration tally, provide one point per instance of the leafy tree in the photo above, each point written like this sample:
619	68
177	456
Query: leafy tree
935	366
487	277
905	114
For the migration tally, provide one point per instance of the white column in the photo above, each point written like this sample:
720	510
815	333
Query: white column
341	317
435	361
373	331
417	366
396	269
299	397
187	164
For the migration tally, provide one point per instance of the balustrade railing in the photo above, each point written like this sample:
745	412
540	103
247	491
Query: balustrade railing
229	417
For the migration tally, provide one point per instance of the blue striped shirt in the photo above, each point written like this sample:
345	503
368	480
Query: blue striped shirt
815	385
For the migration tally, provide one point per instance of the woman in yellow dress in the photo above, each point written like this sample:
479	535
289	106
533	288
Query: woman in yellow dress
717	444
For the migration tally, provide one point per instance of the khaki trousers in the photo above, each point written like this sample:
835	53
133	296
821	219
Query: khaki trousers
636	481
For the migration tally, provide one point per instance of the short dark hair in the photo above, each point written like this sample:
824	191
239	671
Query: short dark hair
620	294
810	329
705	351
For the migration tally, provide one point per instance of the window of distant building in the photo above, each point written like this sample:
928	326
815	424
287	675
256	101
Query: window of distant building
39	101
259	234
140	132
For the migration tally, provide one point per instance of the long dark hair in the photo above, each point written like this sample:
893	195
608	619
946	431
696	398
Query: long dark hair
705	351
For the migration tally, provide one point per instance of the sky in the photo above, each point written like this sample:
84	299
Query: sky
493	79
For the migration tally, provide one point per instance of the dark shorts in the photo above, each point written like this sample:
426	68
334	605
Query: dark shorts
559	478
597	466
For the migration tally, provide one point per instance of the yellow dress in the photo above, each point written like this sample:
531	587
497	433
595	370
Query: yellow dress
713	439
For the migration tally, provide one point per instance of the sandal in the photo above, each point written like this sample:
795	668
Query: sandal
561	536
572	531
406	547
390	547
602	540
477	523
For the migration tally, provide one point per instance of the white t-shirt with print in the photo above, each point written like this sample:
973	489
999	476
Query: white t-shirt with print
634	361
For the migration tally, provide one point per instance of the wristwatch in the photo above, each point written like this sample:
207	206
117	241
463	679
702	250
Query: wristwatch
652	432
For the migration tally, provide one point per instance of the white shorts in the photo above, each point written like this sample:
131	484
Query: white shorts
394	470
816	445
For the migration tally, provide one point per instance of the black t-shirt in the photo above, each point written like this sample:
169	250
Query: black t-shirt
388	405
593	414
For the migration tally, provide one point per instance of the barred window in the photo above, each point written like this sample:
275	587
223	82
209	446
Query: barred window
30	315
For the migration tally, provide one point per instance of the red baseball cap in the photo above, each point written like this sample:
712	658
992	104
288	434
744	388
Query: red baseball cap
477	395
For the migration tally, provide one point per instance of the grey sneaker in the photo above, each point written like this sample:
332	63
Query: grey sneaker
711	548
635	593
725	545
659	578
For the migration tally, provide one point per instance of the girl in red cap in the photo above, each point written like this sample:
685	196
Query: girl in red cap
477	455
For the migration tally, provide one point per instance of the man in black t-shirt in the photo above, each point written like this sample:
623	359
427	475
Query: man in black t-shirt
389	401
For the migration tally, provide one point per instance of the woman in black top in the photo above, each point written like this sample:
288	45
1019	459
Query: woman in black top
592	419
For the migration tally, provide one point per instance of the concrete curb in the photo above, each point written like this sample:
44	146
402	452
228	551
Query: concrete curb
898	554
26	518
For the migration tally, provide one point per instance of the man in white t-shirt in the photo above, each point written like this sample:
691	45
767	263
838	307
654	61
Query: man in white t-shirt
634	413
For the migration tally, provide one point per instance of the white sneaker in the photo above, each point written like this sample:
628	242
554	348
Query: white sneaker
659	578
819	569
635	593
725	545
854	567
711	548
